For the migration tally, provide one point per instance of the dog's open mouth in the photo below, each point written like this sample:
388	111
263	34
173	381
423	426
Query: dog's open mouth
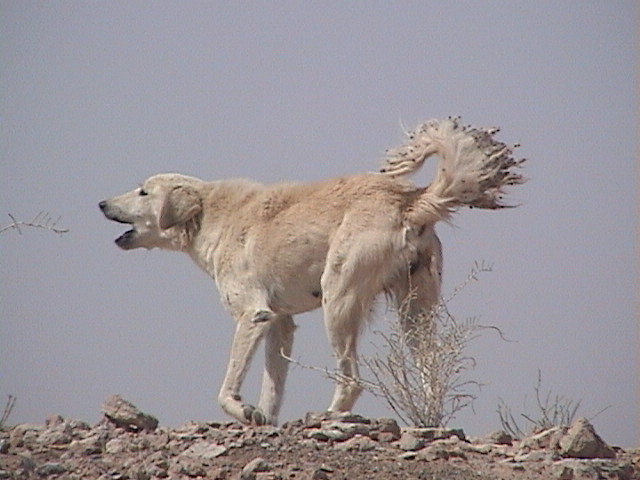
124	240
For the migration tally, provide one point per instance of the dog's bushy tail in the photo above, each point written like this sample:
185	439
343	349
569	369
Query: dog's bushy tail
474	168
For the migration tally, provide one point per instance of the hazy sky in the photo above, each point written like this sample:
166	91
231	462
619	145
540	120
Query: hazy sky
96	96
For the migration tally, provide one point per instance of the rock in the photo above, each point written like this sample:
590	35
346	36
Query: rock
116	446
50	468
562	471
255	466
388	426
535	456
125	415
349	417
408	455
93	444
54	420
409	442
316	434
573	469
205	450
547	439
430	434
582	441
315	419
322	473
56	436
440	451
499	437
340	431
359	443
319	474
191	467
25	435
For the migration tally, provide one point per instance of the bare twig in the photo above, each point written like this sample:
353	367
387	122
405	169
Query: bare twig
41	220
11	401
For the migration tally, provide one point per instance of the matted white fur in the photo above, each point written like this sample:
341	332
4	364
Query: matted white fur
279	250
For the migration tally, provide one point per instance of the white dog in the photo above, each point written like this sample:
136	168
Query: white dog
275	251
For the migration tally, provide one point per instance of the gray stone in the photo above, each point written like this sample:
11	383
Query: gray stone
582	441
125	415
255	466
319	474
341	431
205	450
315	419
192	467
359	443
583	469
25	435
535	456
430	434
54	420
409	442
562	471
389	425
56	436
91	445
440	451
408	455
349	417
499	437
317	434
50	468
116	446
547	439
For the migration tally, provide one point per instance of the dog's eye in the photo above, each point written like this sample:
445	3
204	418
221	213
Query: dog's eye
142	192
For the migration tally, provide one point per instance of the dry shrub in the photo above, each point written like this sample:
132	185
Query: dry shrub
421	370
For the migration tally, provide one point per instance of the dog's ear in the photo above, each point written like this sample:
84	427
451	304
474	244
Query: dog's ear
180	205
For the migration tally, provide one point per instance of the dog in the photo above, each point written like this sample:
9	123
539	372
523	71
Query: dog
275	251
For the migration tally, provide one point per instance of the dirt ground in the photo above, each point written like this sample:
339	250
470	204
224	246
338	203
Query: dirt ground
320	447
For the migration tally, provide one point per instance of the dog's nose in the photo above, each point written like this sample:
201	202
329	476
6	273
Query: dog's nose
103	205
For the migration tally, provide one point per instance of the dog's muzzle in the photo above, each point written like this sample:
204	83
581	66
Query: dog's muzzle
125	240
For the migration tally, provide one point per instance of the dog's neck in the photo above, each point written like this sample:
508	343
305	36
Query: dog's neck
222	205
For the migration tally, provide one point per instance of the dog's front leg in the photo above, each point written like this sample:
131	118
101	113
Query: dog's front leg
245	341
278	345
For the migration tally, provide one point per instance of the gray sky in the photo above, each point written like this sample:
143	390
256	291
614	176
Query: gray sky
96	96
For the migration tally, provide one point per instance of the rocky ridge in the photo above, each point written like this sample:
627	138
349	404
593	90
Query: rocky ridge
128	444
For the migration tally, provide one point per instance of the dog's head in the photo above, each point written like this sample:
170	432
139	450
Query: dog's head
159	211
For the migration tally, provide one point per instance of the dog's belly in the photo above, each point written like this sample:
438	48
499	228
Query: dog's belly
297	291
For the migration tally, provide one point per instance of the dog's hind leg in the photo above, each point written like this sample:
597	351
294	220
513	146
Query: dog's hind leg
278	344
416	291
342	318
245	341
349	288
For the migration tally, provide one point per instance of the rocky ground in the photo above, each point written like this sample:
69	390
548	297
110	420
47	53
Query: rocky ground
128	444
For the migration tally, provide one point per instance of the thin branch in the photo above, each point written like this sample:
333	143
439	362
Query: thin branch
41	220
334	375
8	408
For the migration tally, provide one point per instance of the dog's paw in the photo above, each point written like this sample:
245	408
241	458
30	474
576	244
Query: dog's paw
262	316
253	415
